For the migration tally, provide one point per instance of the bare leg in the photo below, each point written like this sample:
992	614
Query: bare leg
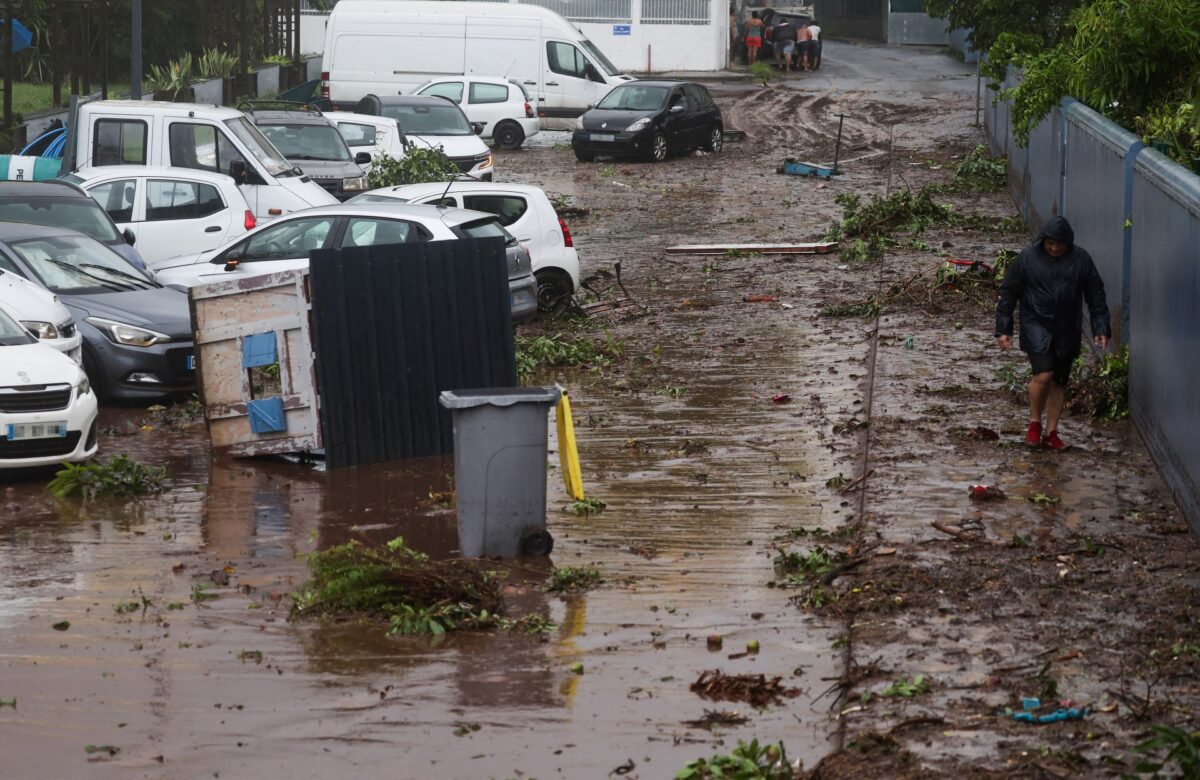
1055	400
1039	390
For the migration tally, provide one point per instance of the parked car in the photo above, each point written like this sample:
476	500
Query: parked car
523	210
137	339
41	312
500	105
312	142
432	122
63	204
286	243
47	407
171	210
386	48
374	135
650	119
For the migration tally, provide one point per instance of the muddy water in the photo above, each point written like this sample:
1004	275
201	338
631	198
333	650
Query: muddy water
701	469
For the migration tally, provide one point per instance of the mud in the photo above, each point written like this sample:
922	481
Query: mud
703	474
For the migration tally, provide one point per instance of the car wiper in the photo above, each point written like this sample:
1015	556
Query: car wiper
80	271
119	273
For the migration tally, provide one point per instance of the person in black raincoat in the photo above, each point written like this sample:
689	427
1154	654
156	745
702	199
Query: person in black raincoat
1050	279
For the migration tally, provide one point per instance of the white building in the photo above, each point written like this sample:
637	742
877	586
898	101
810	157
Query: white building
639	36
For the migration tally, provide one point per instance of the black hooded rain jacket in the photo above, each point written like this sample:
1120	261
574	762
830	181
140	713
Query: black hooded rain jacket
1051	291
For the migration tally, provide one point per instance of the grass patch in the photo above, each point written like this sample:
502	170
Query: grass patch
563	351
118	476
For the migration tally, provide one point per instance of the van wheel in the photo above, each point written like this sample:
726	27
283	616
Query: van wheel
554	290
508	135
582	156
657	152
716	139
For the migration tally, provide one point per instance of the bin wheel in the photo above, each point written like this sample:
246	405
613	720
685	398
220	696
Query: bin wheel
536	542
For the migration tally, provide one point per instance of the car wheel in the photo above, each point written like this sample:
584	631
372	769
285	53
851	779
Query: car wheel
554	290
509	135
716	139
582	156
657	151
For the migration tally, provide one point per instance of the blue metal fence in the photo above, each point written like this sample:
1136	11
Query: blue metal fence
1138	214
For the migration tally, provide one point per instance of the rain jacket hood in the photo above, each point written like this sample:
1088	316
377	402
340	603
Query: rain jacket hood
1058	229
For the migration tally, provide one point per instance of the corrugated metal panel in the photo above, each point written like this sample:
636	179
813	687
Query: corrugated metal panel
1165	337
676	12
1043	176
1094	198
598	11
916	29
393	327
1018	158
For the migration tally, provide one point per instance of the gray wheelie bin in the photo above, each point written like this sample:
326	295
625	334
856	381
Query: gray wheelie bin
500	469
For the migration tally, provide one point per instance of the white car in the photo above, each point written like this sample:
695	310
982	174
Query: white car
502	106
523	210
47	407
285	244
40	311
424	122
171	211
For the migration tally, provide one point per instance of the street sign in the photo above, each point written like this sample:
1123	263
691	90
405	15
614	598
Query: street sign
622	29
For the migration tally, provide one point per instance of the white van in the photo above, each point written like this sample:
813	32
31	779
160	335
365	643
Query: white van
186	135
388	47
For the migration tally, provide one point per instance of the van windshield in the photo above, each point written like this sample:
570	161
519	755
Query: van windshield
268	156
599	57
433	119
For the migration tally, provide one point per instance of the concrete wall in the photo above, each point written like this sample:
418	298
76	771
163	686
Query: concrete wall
1138	214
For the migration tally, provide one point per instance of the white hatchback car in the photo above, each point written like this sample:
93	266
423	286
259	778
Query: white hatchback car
523	210
171	211
40	311
47	407
501	105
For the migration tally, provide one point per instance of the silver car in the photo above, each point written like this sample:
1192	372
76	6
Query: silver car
285	244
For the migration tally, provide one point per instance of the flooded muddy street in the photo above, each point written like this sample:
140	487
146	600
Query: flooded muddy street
738	423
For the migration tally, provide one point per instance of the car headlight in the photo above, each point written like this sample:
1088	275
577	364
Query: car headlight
641	124
487	163
579	123
131	335
44	330
82	385
354	184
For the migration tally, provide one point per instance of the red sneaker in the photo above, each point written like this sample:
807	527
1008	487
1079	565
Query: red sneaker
1034	437
1052	441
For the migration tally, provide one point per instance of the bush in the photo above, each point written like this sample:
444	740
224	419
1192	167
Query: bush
981	172
417	166
120	476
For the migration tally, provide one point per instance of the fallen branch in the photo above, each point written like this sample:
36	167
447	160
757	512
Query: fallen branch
856	482
957	533
921	720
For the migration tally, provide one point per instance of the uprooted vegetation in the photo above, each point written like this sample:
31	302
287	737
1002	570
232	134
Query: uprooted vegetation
747	761
119	476
564	351
414	594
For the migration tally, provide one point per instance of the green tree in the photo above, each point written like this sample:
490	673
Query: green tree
987	19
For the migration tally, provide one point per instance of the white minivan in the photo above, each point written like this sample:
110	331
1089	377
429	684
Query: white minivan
388	47
186	135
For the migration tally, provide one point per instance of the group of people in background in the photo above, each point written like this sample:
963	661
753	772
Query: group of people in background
792	44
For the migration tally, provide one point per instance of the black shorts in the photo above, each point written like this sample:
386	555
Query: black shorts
1041	362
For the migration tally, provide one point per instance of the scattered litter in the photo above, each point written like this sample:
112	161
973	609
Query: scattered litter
786	306
759	299
714	641
908	343
625	768
1029	714
717	718
755	689
782	398
843	267
817	248
977	267
985	493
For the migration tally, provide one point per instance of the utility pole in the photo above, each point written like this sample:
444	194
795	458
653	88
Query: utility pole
135	54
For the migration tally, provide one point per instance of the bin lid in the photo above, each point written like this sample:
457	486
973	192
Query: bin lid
499	396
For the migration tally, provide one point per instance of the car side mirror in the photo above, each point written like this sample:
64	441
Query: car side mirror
129	236
676	109
362	158
478	127
230	259
238	172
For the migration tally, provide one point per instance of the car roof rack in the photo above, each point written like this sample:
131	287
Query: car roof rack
279	105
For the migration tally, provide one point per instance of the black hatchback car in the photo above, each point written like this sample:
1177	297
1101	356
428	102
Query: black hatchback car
649	119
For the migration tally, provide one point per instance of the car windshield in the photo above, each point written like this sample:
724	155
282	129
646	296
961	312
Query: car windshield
370	198
307	142
82	214
599	57
78	265
260	147
12	334
635	97
488	228
430	119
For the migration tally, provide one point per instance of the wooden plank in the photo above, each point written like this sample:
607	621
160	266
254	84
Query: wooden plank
817	248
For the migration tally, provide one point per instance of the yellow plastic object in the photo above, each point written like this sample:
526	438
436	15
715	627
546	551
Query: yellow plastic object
568	455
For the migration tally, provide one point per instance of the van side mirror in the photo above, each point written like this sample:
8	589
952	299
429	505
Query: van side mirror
129	236
238	171
362	158
478	127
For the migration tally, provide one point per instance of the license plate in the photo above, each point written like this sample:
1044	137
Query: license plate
23	431
190	362
606	137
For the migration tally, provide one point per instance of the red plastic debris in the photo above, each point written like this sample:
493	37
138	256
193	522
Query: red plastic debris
782	398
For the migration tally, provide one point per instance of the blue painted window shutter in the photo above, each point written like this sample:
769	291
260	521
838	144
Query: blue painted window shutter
259	350
266	415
